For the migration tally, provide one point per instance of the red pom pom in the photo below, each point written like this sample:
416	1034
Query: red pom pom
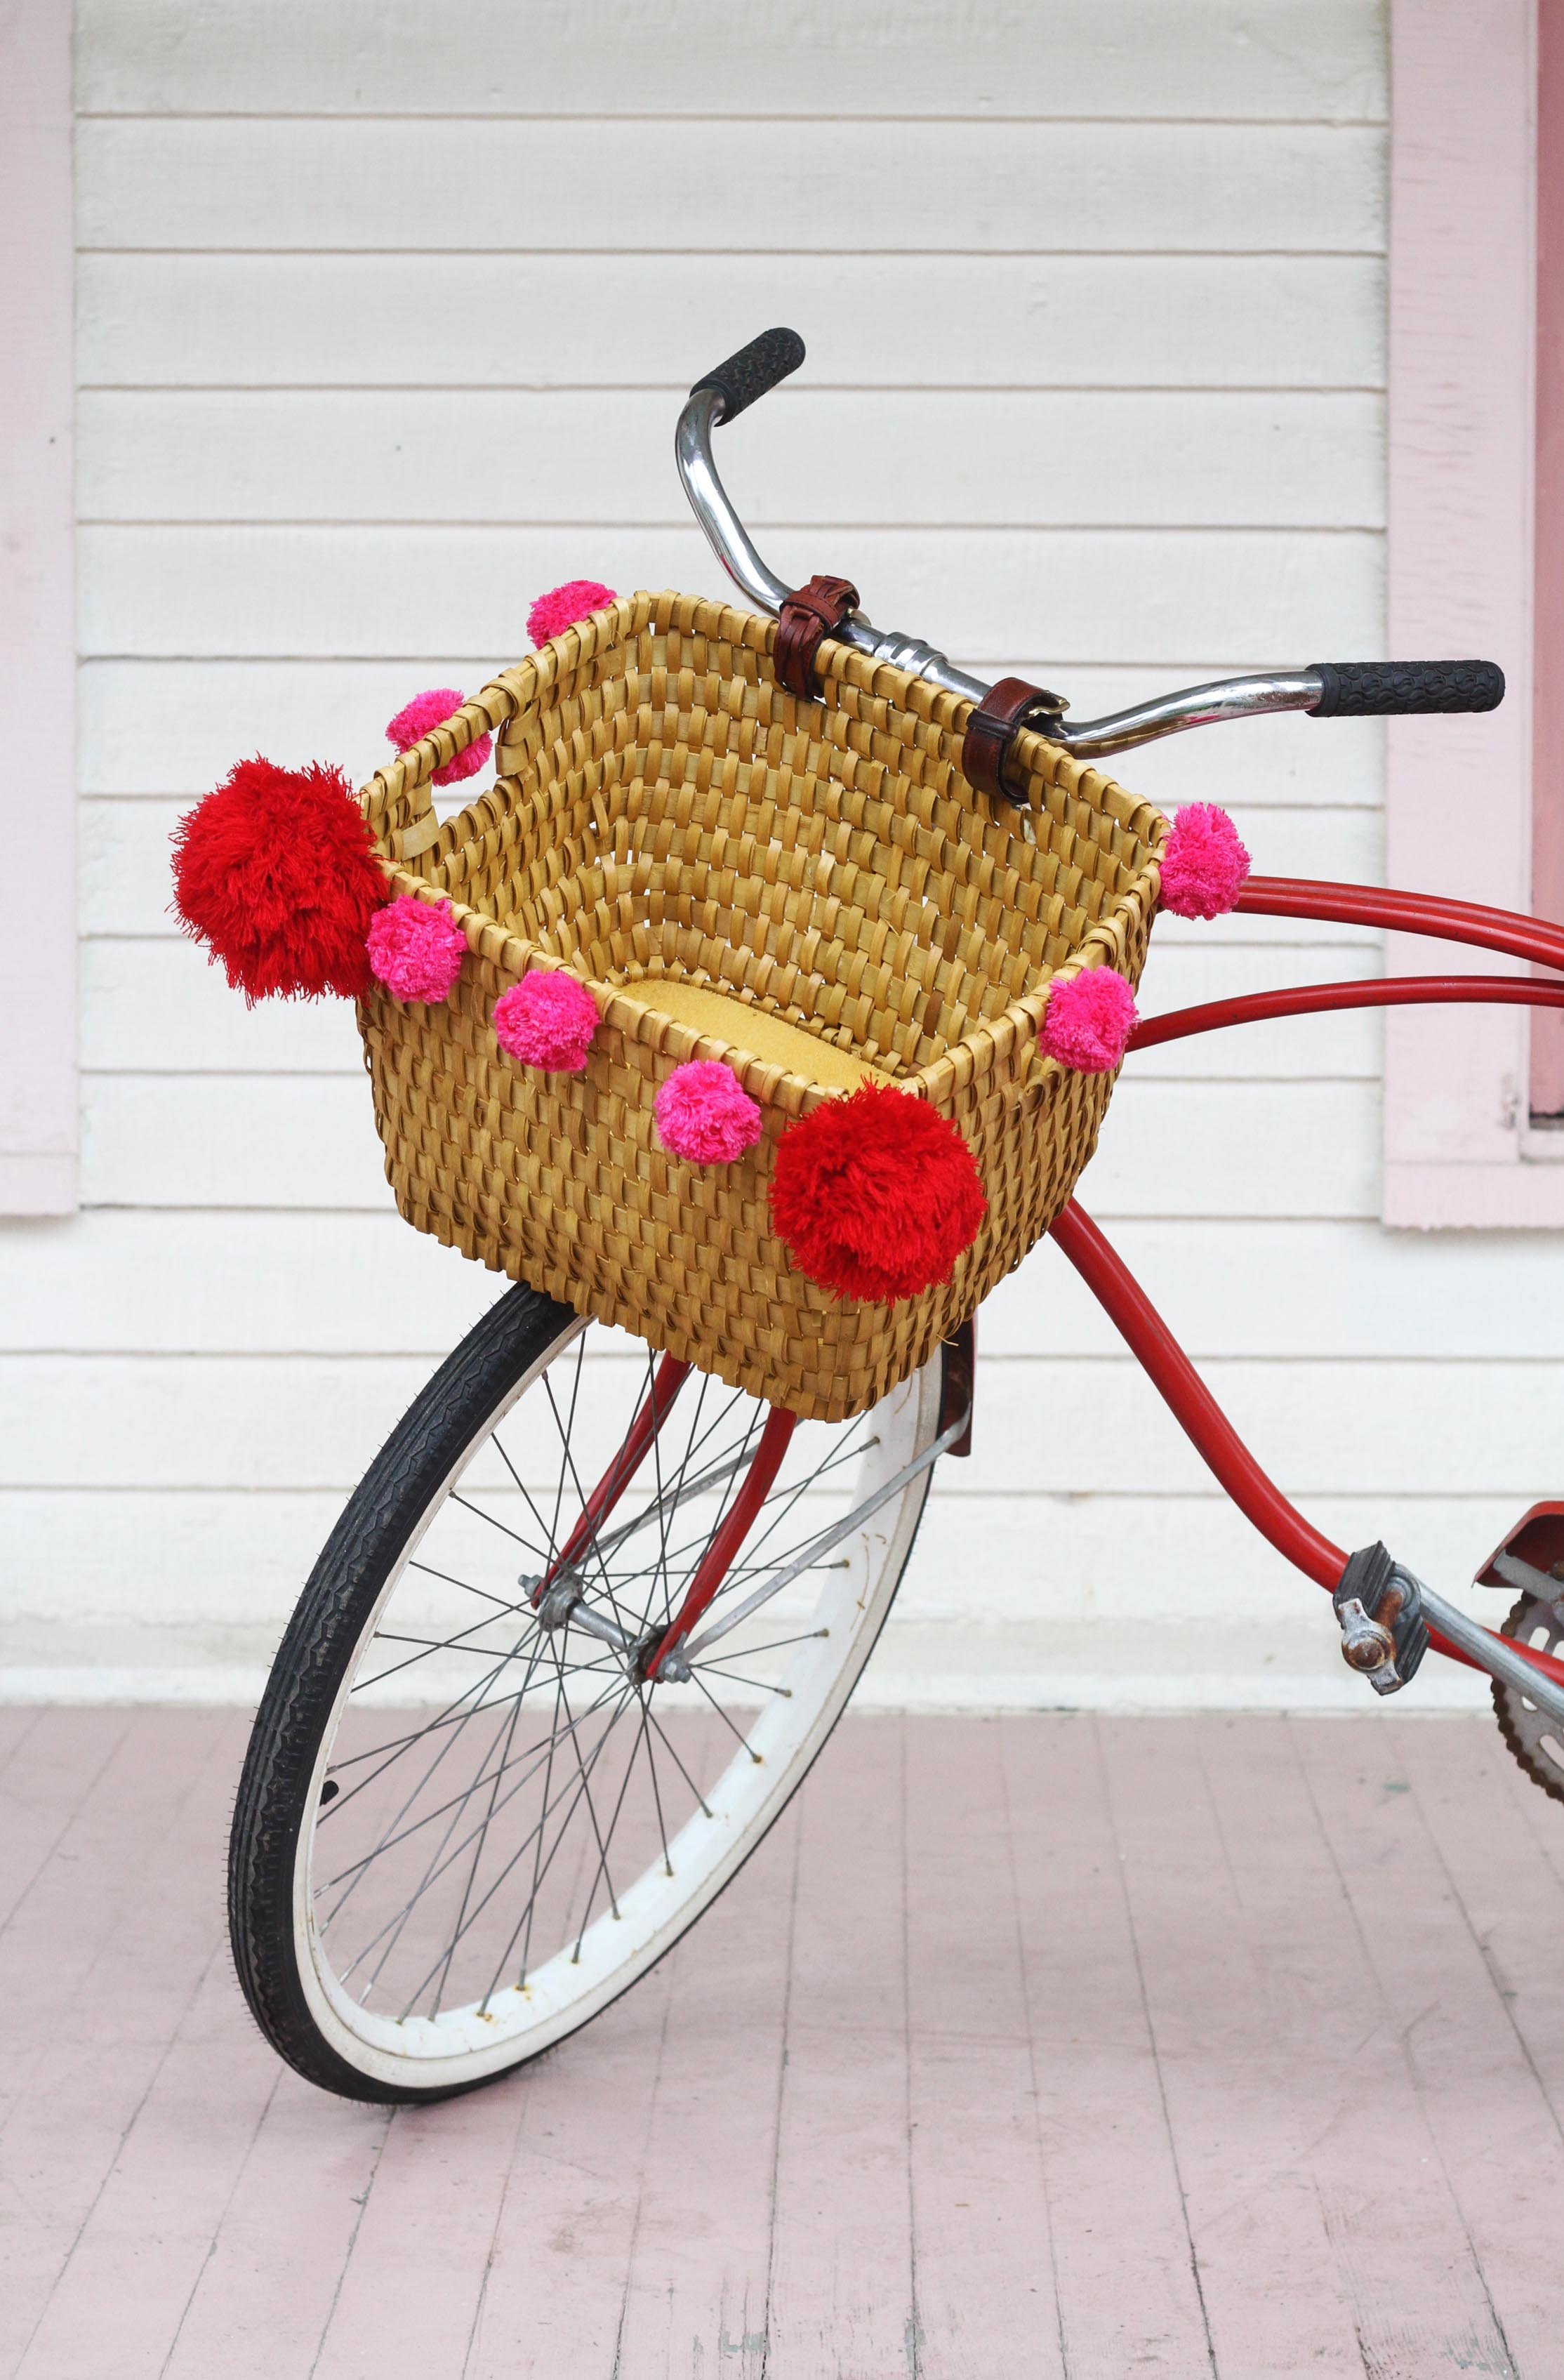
276	873
875	1195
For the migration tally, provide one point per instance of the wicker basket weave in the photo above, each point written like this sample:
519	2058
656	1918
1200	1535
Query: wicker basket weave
665	814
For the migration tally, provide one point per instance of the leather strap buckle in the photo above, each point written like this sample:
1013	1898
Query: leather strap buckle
1013	703
807	618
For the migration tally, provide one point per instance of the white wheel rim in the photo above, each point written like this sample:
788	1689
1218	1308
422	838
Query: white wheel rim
463	2042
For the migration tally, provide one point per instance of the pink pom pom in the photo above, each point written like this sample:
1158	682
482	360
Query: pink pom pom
432	708
1203	864
416	948
1087	1021
547	1020
705	1115
563	606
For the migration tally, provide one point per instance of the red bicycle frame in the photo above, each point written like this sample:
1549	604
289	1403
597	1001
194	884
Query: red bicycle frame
1126	1303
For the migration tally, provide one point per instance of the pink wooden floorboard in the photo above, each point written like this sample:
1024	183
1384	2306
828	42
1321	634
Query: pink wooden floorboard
982	2229
1026	2047
1535	1822
1124	2264
109	1941
1355	2115
553	2294
51	1771
294	2209
842	2293
1518	1929
416	2264
1489	2124
17	1723
196	2084
1241	2128
697	2289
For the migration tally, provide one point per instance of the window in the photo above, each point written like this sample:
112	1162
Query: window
1476	521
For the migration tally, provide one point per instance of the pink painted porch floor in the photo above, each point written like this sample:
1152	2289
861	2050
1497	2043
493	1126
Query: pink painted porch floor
1035	2046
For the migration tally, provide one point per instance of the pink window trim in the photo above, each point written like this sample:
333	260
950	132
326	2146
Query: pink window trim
1547	646
1459	1146
38	1088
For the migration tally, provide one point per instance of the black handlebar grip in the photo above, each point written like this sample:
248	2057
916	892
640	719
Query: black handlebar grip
1381	689
754	370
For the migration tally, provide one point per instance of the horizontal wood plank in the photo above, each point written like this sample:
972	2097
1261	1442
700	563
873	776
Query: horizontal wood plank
1084	595
341	1284
258	183
272	1284
696	59
223	1140
1324	1428
169	320
182	1558
988	459
158	1007
1205	1149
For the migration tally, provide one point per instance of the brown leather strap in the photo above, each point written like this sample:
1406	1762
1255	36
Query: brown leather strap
802	625
992	729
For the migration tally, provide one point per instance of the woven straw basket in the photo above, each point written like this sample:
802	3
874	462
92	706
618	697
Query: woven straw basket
809	892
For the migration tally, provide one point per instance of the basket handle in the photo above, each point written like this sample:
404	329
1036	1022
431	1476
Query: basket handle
405	783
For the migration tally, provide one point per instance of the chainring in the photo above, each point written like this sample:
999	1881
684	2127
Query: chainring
1530	1733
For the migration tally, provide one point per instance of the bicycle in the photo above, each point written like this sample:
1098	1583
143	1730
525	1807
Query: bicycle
598	1603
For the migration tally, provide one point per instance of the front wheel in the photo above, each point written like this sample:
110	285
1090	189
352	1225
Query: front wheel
468	1821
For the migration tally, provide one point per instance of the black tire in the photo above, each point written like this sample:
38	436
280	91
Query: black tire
320	1641
323	1638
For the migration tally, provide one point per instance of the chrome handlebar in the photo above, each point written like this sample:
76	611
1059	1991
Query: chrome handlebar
1195	706
729	542
1191	706
1328	690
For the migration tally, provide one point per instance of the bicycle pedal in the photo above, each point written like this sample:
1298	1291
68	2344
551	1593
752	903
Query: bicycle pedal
1379	1610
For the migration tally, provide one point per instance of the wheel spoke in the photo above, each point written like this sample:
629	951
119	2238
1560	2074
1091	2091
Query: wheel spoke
477	1857
393	1841
592	1818
735	1677
552	1812
452	1716
472	1918
505	1603
478	1514
656	1789
696	1680
434	1876
569	1462
791	1492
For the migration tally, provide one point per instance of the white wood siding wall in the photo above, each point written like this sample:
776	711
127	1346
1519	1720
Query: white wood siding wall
384	316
